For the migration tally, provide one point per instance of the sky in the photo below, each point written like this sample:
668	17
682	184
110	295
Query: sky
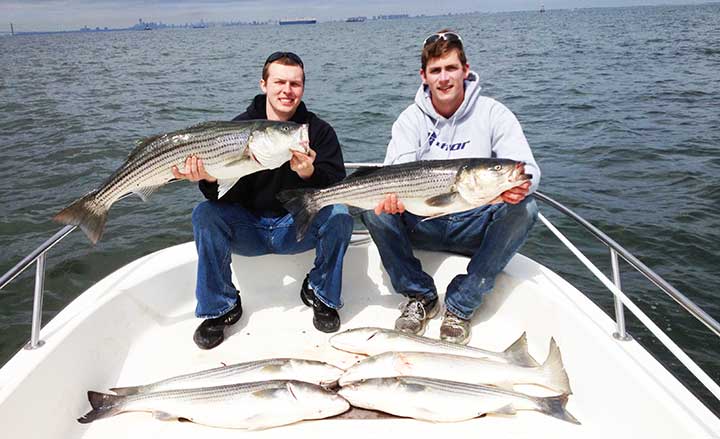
54	15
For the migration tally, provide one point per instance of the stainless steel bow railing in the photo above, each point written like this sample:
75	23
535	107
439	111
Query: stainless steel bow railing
39	255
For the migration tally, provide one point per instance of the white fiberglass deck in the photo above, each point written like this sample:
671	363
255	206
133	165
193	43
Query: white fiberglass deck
136	326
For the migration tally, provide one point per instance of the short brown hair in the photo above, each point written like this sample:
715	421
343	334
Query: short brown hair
441	47
285	58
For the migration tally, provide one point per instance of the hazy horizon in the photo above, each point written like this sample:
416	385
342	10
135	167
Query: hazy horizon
58	15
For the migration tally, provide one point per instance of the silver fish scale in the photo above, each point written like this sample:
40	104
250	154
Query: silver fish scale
235	368
410	181
209	393
150	166
460	388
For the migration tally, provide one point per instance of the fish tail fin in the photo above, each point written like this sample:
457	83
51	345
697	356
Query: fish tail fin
103	406
125	391
87	213
554	370
555	407
303	206
518	353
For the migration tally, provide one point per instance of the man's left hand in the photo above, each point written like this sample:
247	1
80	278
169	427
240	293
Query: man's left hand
516	194
302	164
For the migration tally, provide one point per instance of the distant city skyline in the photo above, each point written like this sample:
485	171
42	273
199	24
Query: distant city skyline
59	15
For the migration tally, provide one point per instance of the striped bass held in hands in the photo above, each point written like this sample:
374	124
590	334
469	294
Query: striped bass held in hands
251	406
229	151
374	341
446	401
551	374
429	188
309	371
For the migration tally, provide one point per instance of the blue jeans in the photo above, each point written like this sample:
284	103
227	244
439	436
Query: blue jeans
490	235
222	228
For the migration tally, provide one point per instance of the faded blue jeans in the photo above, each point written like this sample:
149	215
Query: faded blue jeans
222	228
490	235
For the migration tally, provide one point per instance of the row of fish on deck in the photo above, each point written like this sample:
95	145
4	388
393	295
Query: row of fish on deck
404	375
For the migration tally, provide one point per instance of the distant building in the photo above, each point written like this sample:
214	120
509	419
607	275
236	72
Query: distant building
356	19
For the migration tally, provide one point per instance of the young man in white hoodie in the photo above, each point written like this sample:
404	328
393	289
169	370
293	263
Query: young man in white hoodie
450	119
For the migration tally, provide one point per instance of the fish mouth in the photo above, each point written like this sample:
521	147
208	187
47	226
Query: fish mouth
518	173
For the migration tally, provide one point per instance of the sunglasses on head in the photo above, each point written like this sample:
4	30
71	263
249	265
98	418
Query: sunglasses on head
279	55
447	36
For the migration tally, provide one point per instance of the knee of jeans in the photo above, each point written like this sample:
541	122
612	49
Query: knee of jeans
378	222
339	219
203	215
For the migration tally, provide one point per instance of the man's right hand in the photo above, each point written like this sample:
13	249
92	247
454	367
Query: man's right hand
391	204
194	171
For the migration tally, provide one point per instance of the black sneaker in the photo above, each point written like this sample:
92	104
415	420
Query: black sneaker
325	319
211	333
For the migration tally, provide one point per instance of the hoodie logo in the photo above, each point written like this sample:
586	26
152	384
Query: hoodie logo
432	141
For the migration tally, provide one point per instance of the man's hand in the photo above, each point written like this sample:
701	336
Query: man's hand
516	194
194	171
302	164
390	205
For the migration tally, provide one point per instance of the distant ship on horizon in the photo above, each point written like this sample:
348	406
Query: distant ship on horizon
356	19
285	21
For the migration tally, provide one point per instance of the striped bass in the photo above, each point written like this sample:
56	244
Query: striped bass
429	188
446	401
374	341
251	406
551	374
309	371
229	151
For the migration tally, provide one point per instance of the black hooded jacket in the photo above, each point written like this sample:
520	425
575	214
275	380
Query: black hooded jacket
257	191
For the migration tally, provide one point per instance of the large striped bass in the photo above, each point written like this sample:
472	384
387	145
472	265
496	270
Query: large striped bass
374	341
551	374
428	188
252	406
446	401
229	151
309	371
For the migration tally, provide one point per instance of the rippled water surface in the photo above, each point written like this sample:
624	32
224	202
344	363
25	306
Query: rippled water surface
619	105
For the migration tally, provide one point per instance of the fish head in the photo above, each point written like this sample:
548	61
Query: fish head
316	371
482	180
358	340
272	142
322	402
376	366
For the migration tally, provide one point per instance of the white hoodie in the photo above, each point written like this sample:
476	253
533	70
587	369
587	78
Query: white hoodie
481	127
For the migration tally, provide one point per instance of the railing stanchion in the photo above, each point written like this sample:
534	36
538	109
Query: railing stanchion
621	334
35	341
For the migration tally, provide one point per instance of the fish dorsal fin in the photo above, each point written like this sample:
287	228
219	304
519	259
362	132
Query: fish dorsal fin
518	353
363	171
442	200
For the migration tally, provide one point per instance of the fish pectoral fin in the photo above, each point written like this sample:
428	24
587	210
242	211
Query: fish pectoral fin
224	185
164	416
145	192
442	200
505	410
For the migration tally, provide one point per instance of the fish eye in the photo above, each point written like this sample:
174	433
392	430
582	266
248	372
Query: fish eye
498	167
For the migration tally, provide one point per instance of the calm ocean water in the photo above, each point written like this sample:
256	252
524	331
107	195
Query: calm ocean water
620	107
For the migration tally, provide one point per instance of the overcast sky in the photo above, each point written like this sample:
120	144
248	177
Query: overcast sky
27	15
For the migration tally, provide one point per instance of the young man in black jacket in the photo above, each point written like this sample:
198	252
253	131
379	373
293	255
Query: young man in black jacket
250	221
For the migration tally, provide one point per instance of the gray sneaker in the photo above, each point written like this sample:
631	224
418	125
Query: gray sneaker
415	315
454	329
